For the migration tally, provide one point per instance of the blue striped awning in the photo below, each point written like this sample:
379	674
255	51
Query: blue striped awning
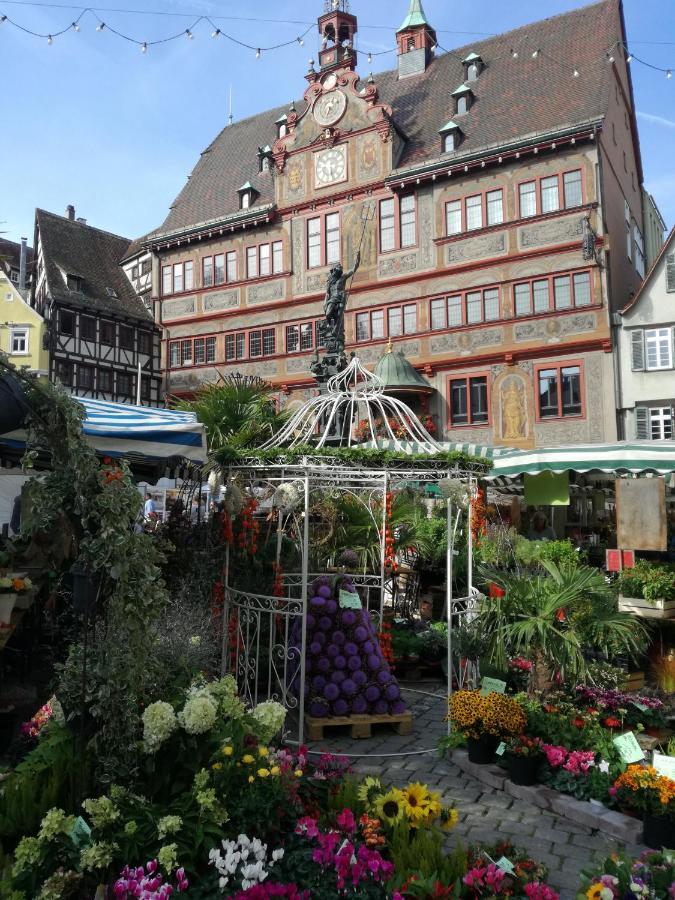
119	429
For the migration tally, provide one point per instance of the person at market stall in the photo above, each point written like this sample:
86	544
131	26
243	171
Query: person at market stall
149	508
540	530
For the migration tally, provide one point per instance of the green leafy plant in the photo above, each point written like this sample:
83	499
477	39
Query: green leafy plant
648	581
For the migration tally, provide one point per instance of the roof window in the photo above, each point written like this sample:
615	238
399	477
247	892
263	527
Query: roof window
463	97
247	194
473	66
451	137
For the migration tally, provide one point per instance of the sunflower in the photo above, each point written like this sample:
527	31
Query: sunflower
369	790
449	817
415	801
594	891
389	807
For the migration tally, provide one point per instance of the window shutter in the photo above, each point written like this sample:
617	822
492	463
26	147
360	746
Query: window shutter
637	350
670	272
642	423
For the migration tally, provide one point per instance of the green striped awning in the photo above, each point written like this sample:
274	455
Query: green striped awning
482	451
623	457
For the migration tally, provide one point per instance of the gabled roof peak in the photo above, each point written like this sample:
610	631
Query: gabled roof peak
415	18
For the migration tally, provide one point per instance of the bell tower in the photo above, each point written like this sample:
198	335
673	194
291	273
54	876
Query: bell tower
337	27
416	41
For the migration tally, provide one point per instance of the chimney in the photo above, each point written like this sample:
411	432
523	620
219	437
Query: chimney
81	220
70	212
22	264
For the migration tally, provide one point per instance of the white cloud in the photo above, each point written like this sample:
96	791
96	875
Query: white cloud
656	120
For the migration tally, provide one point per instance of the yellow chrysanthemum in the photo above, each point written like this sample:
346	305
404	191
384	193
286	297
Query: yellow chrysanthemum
389	807
415	801
263	773
263	751
227	750
275	770
369	789
248	759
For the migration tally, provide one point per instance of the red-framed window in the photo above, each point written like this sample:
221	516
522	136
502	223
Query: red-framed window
301	336
560	390
469	400
464	308
553	292
264	259
195	351
250	344
398	222
550	193
390	321
177	278
323	240
475	211
219	268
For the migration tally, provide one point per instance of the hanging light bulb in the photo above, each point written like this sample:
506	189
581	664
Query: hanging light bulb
514	54
258	53
301	42
50	39
629	58
3	19
669	74
576	73
189	34
214	34
535	53
370	57
610	58
76	27
144	47
100	26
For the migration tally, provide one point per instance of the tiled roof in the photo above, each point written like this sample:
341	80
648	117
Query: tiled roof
10	254
668	244
514	98
75	248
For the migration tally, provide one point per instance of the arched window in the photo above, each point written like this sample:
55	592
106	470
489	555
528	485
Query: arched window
245	200
472	72
283	130
462	104
450	142
411	43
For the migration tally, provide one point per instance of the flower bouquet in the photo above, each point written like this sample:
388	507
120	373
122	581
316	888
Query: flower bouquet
642	789
652	874
484	720
523	756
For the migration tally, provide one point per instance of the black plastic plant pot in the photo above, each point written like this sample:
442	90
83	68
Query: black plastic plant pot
523	769
658	832
13	404
482	749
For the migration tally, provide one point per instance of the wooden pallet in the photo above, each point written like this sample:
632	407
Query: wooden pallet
359	726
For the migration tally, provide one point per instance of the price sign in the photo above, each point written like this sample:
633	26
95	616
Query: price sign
501	749
491	686
640	706
664	765
505	865
629	749
80	832
348	600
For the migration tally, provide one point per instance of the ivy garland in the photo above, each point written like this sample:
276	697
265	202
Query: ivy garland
92	507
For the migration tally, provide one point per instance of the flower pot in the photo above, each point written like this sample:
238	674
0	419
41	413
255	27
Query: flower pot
658	832
482	749
523	769
7	602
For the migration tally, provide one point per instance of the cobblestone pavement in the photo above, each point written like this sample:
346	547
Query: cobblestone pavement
486	814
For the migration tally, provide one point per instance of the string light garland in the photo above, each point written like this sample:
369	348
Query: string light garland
216	32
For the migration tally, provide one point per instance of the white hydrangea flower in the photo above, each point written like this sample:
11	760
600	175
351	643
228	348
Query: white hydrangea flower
270	717
159	723
199	713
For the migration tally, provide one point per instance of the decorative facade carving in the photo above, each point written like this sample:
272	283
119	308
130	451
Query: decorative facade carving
314	283
513	406
295	179
298	245
472	436
186	380
221	300
552	330
427	251
298	364
593	382
557	231
397	265
185	306
368	158
465	342
261	293
549	434
486	245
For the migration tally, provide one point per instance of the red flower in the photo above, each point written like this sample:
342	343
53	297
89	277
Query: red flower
560	615
578	722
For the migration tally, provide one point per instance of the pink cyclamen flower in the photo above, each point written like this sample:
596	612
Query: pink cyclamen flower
346	820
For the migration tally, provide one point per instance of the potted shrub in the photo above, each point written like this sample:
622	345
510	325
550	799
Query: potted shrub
642	789
648	590
523	755
484	721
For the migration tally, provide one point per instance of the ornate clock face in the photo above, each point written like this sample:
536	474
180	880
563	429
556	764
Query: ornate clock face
330	165
329	108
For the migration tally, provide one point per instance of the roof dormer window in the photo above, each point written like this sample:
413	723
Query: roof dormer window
451	137
247	194
282	126
74	282
463	98
473	66
264	158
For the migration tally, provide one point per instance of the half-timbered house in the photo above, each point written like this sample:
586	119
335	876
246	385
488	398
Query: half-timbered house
101	337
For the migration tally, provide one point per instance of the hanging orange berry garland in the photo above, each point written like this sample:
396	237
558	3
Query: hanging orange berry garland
478	516
386	645
389	551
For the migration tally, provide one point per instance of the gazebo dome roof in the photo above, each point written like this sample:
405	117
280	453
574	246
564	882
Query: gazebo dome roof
397	374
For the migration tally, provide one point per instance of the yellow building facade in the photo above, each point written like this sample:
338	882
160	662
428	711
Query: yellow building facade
21	330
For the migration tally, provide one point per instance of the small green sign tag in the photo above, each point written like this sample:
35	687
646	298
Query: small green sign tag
80	833
505	865
664	765
629	749
491	686
501	749
640	706
349	601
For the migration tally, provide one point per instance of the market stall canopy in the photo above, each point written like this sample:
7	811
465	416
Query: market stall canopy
412	448
118	429
631	457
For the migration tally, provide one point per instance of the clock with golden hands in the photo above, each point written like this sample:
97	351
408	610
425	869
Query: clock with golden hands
329	108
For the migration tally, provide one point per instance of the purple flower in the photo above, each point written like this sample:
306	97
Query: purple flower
361	633
351	649
349	687
384	677
323	664
315	648
354	663
359	705
338	677
392	692
332	650
317	602
359	678
349	617
372	693
374	662
318	682
338	638
331	691
381	707
340	707
339	662
331	607
318	709
325	623
368	648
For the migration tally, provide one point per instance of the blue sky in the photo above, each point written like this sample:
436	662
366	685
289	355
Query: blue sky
92	121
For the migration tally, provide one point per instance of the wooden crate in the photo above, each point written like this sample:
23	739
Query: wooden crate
634	682
359	726
648	609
